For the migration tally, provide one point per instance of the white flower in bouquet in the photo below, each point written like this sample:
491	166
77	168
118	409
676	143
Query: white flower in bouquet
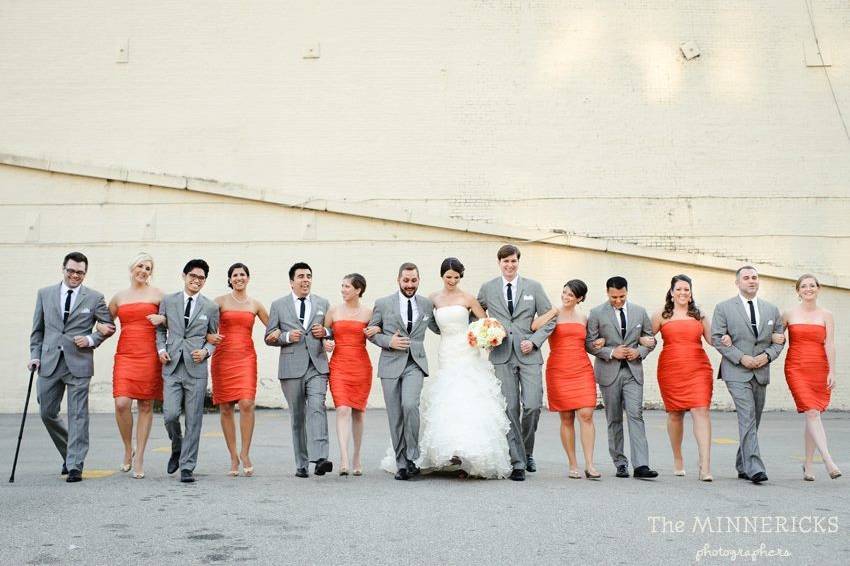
486	333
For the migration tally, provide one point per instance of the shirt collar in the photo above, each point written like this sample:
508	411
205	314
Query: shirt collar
513	283
194	297
744	299
65	289
296	299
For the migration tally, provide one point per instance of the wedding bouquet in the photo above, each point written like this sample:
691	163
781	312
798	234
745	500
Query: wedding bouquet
486	333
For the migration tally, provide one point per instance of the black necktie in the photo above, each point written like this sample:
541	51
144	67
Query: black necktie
622	323
302	310
67	312
510	300
409	316
187	312
753	324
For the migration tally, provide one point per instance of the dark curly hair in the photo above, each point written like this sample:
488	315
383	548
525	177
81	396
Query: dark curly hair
693	309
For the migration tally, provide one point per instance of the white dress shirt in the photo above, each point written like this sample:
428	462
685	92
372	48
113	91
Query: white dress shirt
194	303
747	309
402	305
75	292
514	284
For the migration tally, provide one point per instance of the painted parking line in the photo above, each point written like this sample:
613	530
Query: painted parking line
722	440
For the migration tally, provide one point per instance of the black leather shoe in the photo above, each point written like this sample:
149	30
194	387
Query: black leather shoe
743	476
323	466
76	475
622	471
186	476
758	477
412	469
530	465
402	474
517	475
64	471
301	473
643	472
173	462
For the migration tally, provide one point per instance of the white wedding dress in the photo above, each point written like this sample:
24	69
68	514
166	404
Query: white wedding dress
462	409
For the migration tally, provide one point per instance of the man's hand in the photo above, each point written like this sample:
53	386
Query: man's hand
215	339
647	341
761	360
620	352
318	331
632	354
273	337
370	331
295	336
33	364
830	380
199	355
777	338
329	346
82	342
399	342
748	362
526	346
164	358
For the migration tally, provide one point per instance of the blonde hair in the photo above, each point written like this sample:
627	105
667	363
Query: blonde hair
805	276
140	257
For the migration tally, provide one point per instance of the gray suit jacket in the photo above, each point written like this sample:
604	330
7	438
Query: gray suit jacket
387	315
50	337
603	322
730	317
180	340
295	356
529	300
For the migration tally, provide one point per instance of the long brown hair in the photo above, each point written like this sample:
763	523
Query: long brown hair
693	309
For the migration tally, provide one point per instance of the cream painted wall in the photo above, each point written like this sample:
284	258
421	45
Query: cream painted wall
111	221
577	115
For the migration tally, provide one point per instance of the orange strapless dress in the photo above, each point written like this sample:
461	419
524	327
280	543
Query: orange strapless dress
350	369
234	363
570	383
806	366
684	372
137	373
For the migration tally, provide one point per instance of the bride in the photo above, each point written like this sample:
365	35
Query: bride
464	425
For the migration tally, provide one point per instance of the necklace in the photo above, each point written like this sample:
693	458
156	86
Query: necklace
237	300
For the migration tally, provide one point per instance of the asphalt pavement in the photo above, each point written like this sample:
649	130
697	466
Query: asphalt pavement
274	517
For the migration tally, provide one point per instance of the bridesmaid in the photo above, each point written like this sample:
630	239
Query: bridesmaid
350	369
684	372
809	368
234	365
137	373
570	385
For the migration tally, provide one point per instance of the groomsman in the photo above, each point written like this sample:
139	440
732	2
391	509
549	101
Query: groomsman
295	325
183	353
745	366
403	318
62	345
515	301
619	372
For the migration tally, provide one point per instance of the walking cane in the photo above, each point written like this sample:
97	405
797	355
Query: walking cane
21	433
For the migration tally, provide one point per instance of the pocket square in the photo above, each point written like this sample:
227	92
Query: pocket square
637	325
770	323
319	312
527	298
424	318
87	310
203	317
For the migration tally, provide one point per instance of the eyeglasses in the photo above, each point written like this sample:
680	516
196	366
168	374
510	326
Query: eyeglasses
194	277
71	272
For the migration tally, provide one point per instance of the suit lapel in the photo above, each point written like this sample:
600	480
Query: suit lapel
81	295
53	304
763	318
199	301
289	308
420	307
615	320
739	306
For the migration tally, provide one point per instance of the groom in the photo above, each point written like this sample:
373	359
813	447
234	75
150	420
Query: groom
514	301
403	318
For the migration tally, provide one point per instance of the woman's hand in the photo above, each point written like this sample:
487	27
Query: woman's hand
726	340
777	338
370	331
598	343
329	345
156	319
647	341
215	339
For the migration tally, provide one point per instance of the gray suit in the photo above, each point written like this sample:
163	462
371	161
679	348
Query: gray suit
63	364
185	382
303	374
402	371
520	374
748	387
621	381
